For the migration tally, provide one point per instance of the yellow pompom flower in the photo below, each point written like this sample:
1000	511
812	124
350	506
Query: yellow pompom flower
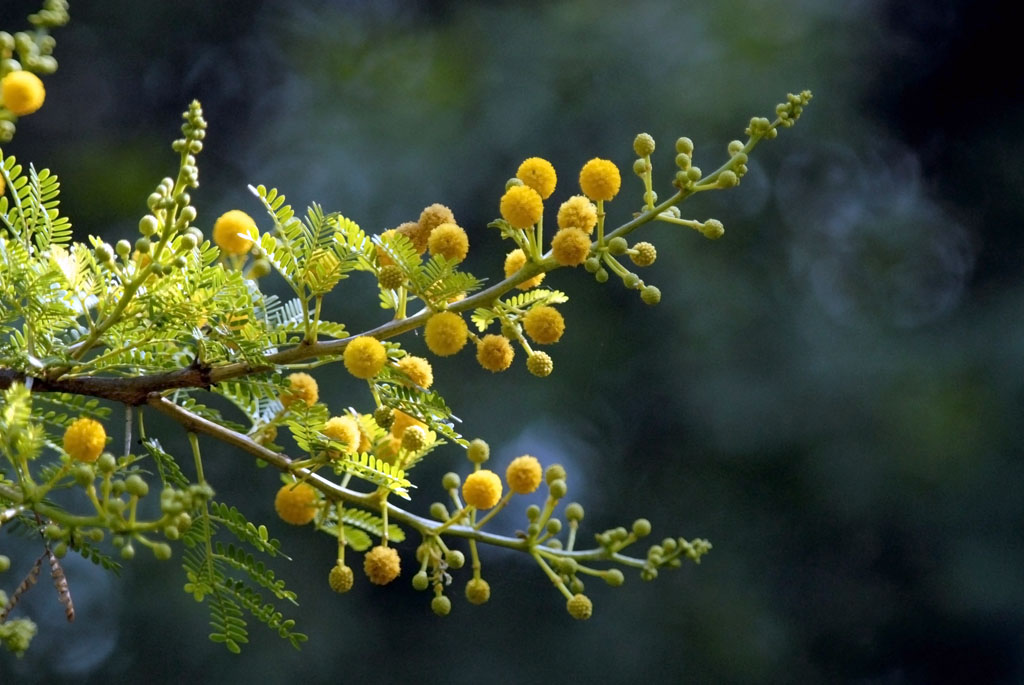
85	439
494	352
417	369
302	388
22	92
570	246
433	216
232	232
382	565
416	234
524	474
445	333
365	357
516	260
296	503
482	489
544	324
578	212
403	421
521	206
538	174
344	429
600	180
449	241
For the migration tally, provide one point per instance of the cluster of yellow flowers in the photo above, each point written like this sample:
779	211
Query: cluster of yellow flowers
22	92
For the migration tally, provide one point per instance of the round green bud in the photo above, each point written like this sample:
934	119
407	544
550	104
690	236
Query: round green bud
553	543
260	268
187	241
187	215
631	281
384	417
439	511
53	532
728	179
741	159
195	146
619	534
650	295
171	532
734	147
618	245
179	263
96	535
643	144
136	486
162	551
5	563
554	526
684	145
391	277
558	488
143	245
650	197
60	549
197	233
592	264
513	182
553	473
655	553
441	605
694	173
683	161
478	591
574	511
669	544
118	541
576	585
713	229
123	248
84	474
601	275
158	268
128	552
183	521
450	481
532	512
533	530
116	506
420	581
648	573
641	528
117	487
183	199
681	179
478	451
614	577
148	225
456	559
103	253
640	167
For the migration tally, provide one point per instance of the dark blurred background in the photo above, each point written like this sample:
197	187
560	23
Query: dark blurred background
831	393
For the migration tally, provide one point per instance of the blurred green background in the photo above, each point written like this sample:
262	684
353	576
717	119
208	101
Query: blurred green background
831	393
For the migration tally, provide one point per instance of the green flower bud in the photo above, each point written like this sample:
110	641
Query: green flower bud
195	232
183	521
554	526
53	532
171	532
580	607
123	248
553	473
614	577
456	559
618	245
592	264
631	281
568	566
712	229
414	438
558	488
478	591
512	182
734	147
533	530
478	451
391	277
650	295
640	167
450	481
128	552
693	173
143	245
532	512
643	144
60	549
96	535
601	275
439	511
441	605
684	145
260	268
117	487
683	161
162	551
103	253
420	581
728	179
187	241
384	417
650	197
574	511
576	585
136	486
641	528
84	474
5	563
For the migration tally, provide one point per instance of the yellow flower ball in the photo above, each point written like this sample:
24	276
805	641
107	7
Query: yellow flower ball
524	474
449	241
580	607
433	216
416	234
232	232
482	489
296	503
365	357
382	565
445	333
521	206
578	212
544	324
478	591
85	439
538	174
540	364
516	260
22	92
600	179
301	388
344	429
494	352
417	369
570	246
